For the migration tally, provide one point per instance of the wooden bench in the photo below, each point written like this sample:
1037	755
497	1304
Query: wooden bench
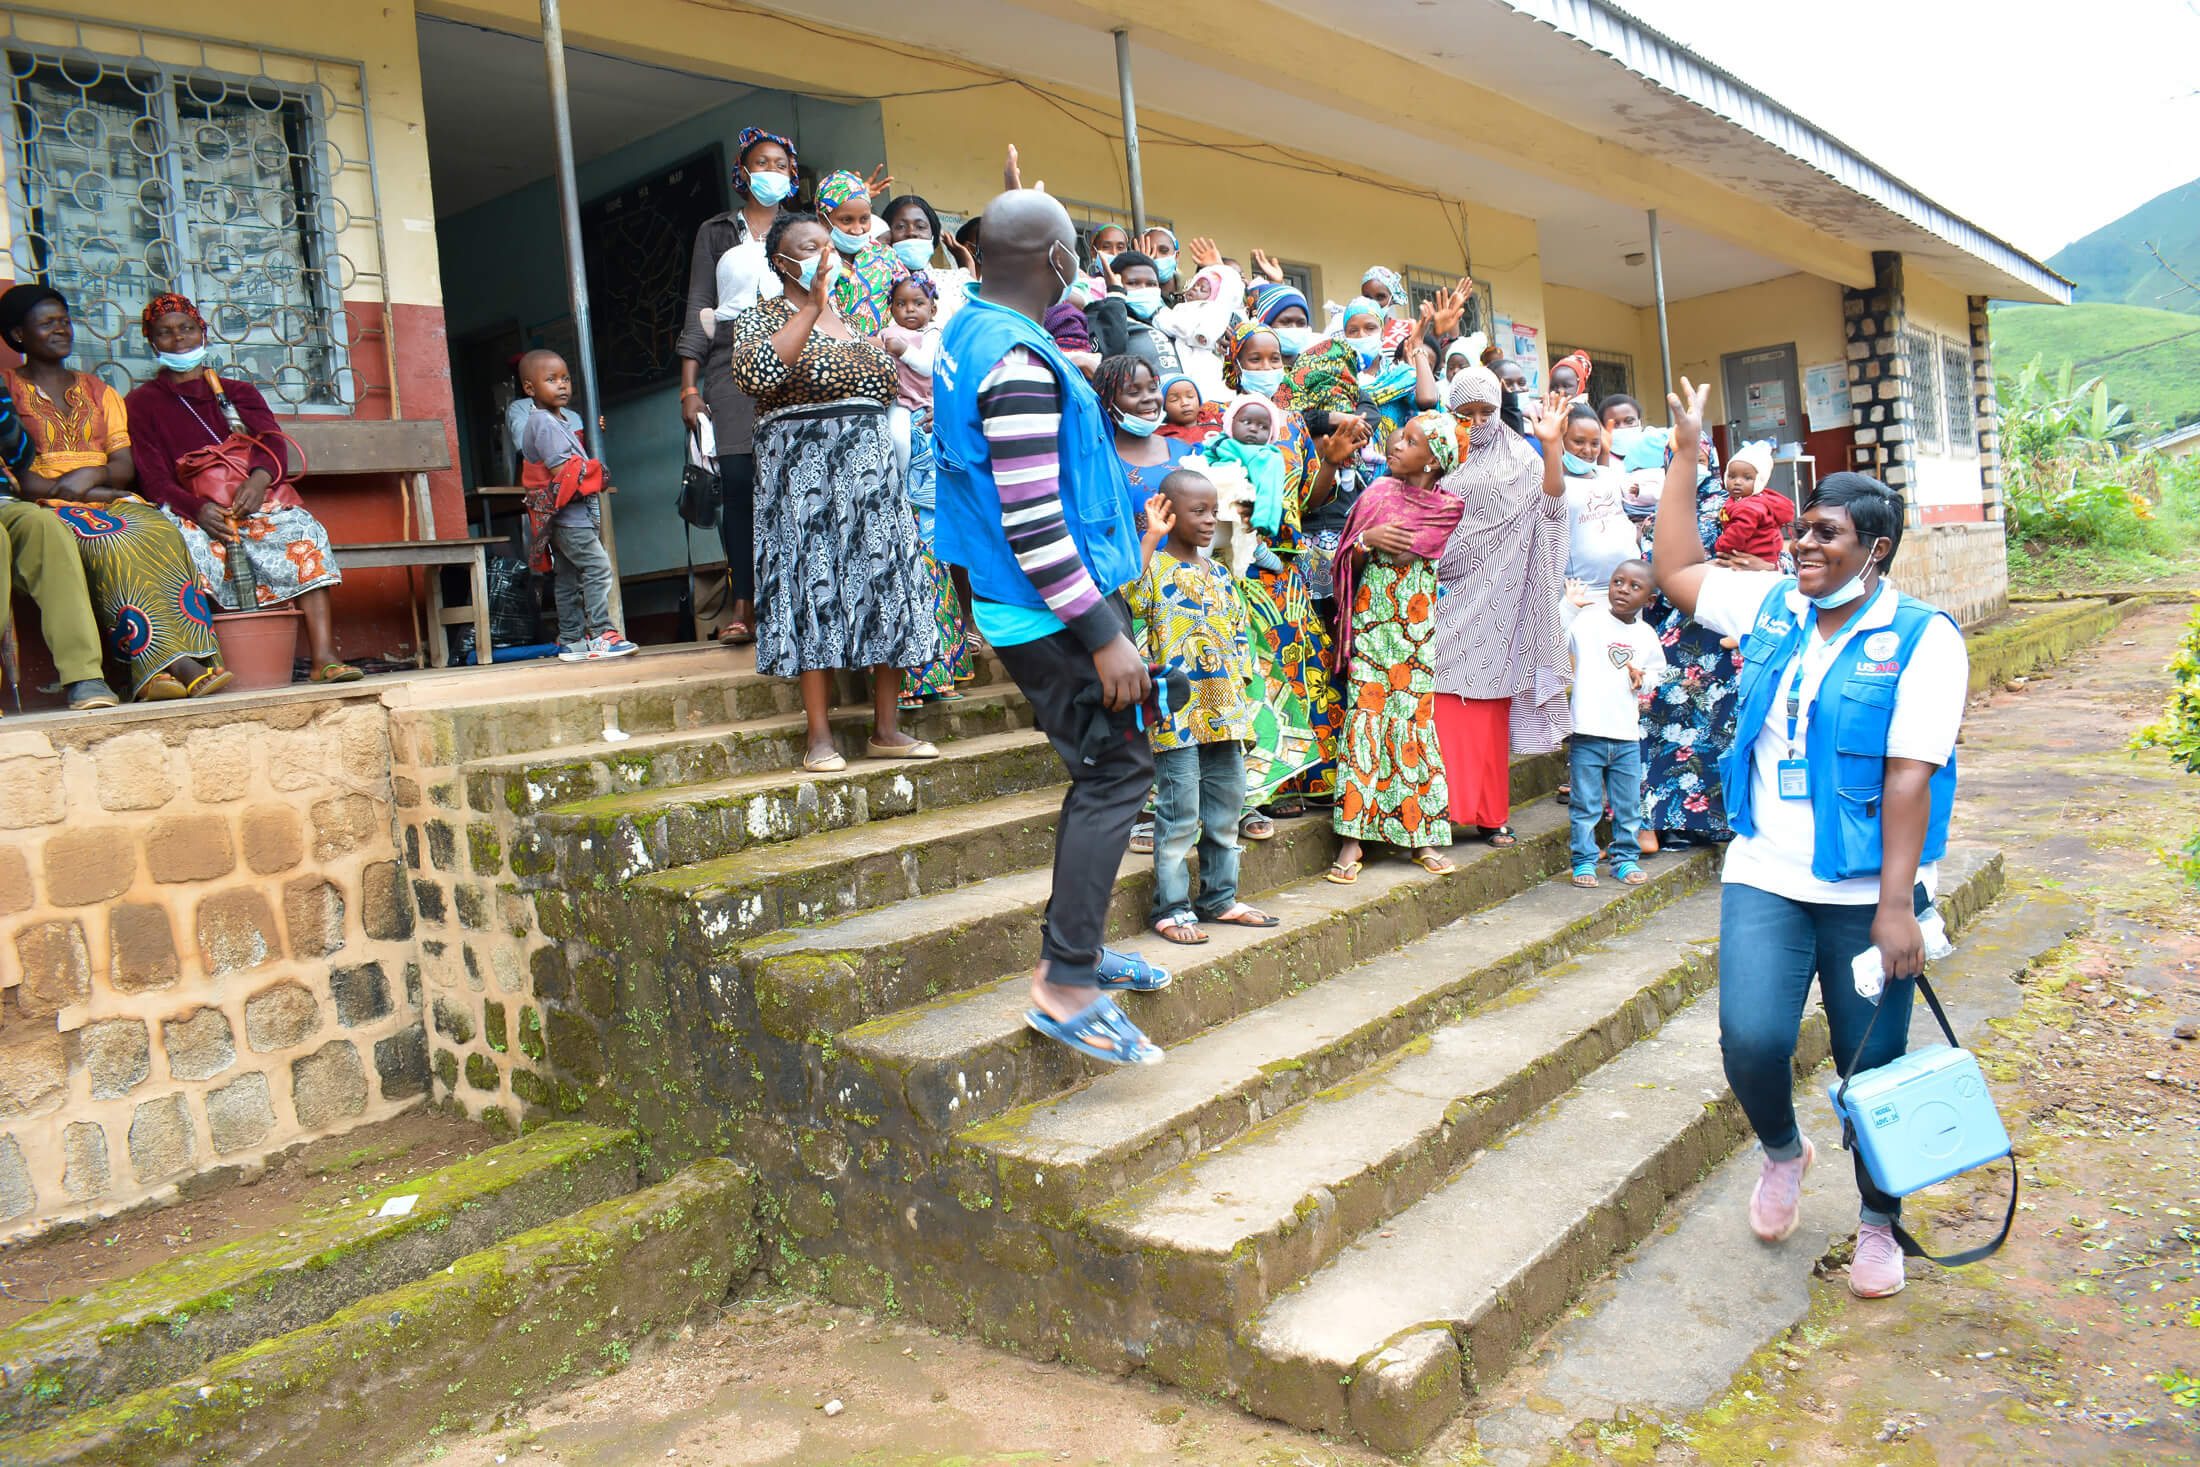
411	448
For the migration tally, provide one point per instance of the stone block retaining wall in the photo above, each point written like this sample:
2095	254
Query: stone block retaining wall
206	947
1961	568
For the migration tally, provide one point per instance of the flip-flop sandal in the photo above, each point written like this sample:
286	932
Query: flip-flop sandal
1501	837
1099	1020
1130	972
1243	916
336	672
1344	873
1434	862
910	702
162	687
1585	876
1181	930
736	634
918	750
1142	838
1257	826
1288	809
213	680
1630	873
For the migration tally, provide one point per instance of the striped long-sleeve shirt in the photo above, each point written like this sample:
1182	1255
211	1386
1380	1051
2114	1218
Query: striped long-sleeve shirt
16	448
1021	405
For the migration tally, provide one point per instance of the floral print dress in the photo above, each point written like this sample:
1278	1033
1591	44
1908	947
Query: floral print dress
1390	775
1691	719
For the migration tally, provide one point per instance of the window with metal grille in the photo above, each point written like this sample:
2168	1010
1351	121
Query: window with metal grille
1921	354
243	181
1091	218
1300	278
1955	383
1424	285
1609	371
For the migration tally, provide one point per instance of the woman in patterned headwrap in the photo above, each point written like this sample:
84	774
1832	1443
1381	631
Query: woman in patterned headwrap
1500	655
284	549
864	285
1390	776
1290	641
147	596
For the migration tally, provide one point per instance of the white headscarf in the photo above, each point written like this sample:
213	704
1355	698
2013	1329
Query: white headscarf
1477	384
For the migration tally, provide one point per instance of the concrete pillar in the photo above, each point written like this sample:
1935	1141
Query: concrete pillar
1879	378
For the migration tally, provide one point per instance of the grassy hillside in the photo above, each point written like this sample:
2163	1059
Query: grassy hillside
2112	264
2150	358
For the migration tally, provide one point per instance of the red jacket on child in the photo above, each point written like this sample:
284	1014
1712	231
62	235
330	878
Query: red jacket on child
1757	525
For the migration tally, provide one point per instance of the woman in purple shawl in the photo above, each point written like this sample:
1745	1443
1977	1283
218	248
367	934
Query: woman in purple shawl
1390	778
1500	655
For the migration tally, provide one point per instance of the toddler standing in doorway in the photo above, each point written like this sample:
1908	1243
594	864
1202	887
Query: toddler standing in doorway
564	513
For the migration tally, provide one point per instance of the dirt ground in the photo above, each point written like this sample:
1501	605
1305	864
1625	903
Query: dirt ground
2079	1343
301	1183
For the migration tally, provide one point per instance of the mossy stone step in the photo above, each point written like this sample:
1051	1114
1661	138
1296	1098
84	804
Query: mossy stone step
1068	1160
614	839
169	1320
945	1065
539	778
394	1370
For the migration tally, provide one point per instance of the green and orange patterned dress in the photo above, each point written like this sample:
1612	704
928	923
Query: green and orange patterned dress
1390	777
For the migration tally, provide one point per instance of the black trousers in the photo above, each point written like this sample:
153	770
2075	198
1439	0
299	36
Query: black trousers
1109	778
737	521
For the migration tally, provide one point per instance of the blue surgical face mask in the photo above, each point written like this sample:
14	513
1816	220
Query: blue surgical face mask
1143	300
1264	380
1139	427
1369	348
1069	283
1579	467
805	271
1843	594
1165	267
849	244
915	253
770	188
1293	339
183	361
1625	441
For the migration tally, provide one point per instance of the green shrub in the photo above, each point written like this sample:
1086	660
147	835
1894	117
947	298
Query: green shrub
2178	733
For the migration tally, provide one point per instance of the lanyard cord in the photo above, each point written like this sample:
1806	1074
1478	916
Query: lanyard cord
1795	684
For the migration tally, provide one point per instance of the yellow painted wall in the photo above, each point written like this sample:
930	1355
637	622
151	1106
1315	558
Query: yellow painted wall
379	37
950	147
1799	308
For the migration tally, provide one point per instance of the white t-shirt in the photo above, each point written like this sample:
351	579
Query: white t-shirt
1598	533
1602	648
745	280
1928	711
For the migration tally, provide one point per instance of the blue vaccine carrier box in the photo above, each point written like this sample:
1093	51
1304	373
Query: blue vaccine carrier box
1922	1118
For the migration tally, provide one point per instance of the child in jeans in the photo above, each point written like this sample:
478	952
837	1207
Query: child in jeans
1617	660
1195	625
554	463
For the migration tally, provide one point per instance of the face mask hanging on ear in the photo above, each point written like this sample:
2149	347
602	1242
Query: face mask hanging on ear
182	361
1846	592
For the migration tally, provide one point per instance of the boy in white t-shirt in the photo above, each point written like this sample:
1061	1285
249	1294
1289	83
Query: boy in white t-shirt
1617	660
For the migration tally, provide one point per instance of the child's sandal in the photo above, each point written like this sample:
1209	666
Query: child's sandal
1181	930
1630	873
1585	876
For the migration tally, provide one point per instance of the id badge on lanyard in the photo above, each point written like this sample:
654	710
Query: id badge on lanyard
1794	771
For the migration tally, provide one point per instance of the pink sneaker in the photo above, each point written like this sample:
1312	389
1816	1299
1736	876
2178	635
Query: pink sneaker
1776	1207
1876	1271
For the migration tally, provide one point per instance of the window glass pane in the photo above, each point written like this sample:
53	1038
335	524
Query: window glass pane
1922	355
88	204
1955	380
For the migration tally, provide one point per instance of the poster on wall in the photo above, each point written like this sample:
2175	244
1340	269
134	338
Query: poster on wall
1765	411
1524	351
1826	396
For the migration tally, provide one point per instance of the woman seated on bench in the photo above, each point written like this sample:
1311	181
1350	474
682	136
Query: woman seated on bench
144	590
187	409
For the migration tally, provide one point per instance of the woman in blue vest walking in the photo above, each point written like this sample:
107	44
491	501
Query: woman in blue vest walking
1838	787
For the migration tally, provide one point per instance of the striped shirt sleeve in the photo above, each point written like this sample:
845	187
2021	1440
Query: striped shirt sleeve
1021	406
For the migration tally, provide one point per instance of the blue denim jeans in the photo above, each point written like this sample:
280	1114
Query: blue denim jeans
1199	795
1769	950
1604	772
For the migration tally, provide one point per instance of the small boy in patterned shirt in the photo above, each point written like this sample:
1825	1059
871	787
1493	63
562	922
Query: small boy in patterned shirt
1195	624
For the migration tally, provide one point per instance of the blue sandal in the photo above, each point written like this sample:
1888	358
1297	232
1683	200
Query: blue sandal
1630	873
1129	971
1101	1019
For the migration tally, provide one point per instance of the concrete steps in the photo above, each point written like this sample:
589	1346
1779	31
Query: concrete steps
167	1322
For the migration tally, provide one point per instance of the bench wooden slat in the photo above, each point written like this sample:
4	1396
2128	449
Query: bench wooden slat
372	446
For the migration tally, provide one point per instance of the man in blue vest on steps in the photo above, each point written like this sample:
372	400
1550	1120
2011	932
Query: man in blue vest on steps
1838	786
1034	504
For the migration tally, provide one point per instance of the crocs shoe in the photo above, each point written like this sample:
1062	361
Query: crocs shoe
1876	1270
1100	1020
1776	1207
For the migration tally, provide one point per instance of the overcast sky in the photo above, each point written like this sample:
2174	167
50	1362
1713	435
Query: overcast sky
2040	122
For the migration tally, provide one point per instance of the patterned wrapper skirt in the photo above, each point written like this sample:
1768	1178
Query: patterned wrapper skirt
146	592
936	678
285	546
840	575
1390	772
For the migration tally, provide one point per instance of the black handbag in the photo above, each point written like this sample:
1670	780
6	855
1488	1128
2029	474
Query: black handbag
699	491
